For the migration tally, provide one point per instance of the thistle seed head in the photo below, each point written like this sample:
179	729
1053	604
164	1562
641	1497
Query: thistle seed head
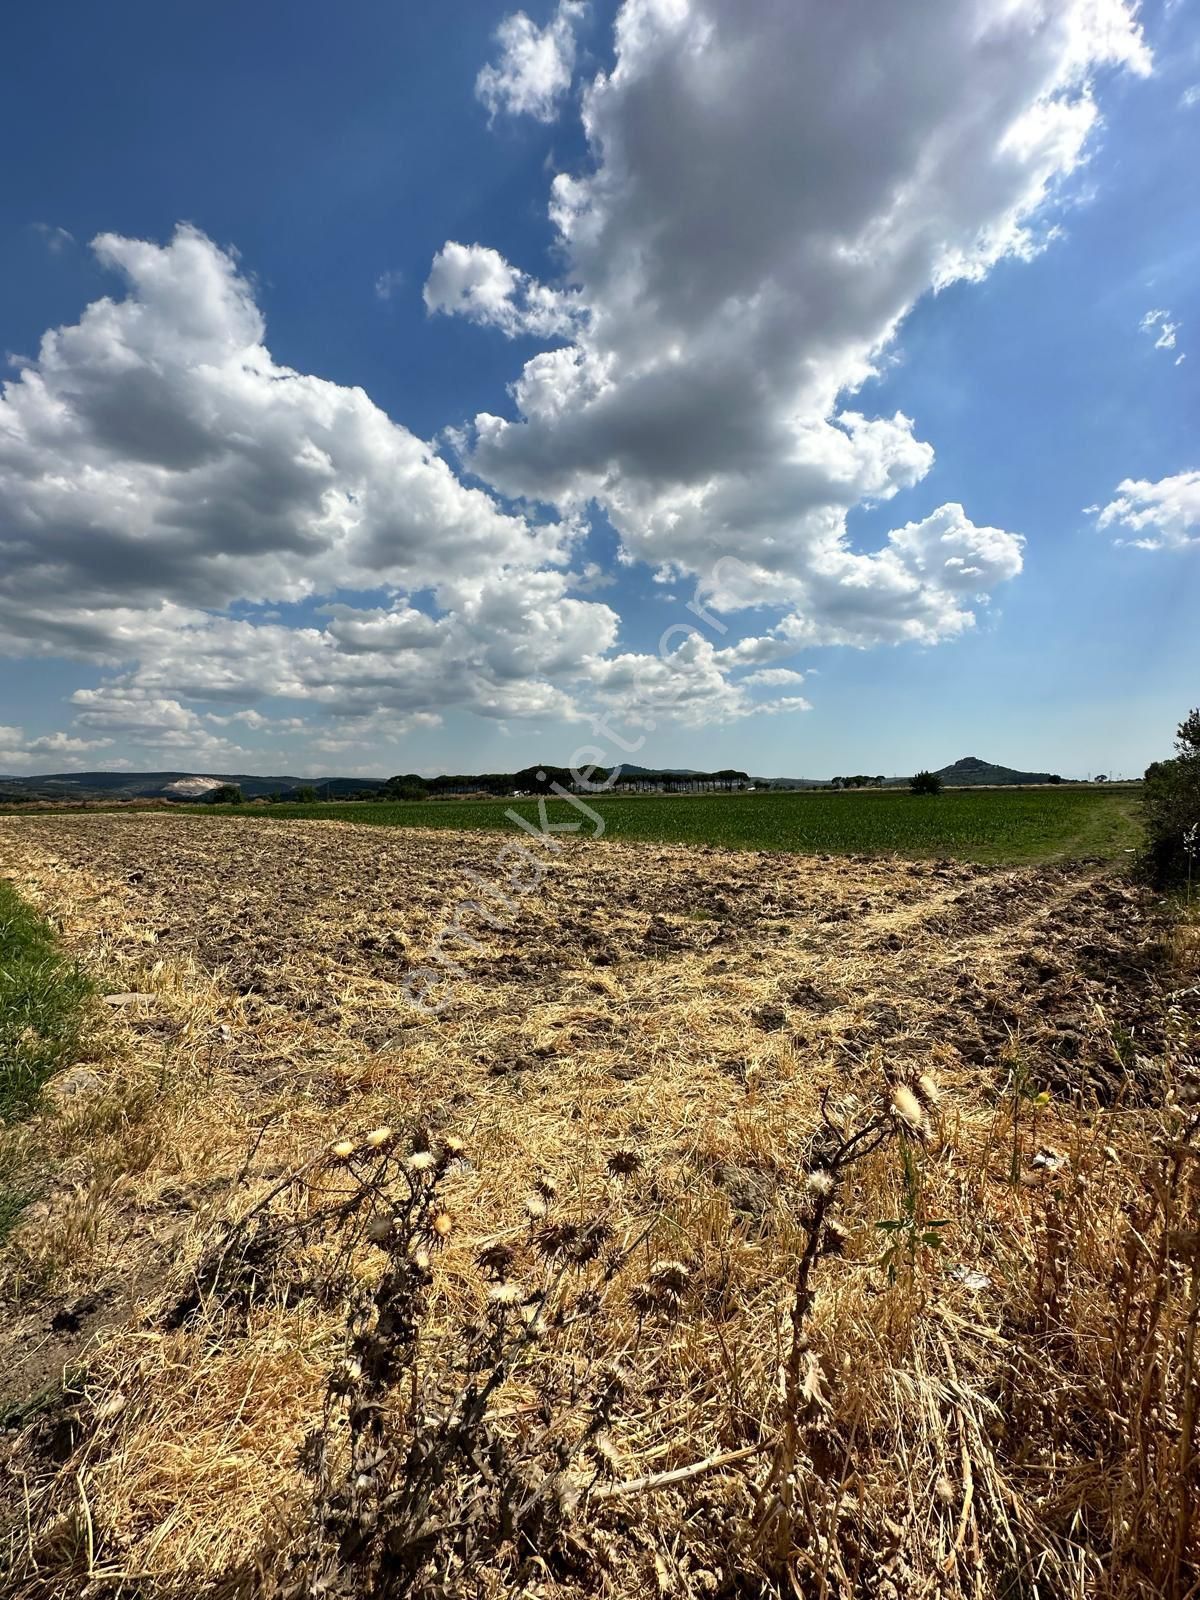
555	1238
907	1109
643	1299
669	1277
928	1092
453	1147
496	1259
592	1238
612	1380
588	1303
624	1163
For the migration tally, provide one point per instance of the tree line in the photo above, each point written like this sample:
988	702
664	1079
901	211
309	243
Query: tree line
548	780
541	780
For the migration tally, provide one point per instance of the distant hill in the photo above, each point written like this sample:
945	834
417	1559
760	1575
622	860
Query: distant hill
793	783
972	771
168	785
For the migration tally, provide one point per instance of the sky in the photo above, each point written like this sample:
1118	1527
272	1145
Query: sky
716	383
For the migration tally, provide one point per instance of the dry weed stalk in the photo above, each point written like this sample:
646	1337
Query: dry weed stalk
1153	1367
421	1481
791	1516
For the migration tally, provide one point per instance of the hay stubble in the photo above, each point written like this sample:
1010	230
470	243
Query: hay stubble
689	1005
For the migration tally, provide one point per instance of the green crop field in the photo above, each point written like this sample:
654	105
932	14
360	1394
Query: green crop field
990	825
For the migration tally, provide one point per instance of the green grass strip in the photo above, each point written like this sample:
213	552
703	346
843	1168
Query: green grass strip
42	998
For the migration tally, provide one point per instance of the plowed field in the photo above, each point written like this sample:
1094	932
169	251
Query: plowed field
692	1006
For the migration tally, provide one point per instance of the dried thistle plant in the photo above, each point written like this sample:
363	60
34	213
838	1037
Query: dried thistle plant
417	1483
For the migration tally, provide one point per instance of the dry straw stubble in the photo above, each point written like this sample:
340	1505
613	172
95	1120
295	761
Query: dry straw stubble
662	1057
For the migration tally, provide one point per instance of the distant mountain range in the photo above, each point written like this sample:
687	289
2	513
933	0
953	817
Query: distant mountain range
182	786
172	785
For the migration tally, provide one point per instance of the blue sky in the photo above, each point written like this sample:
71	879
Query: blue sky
311	491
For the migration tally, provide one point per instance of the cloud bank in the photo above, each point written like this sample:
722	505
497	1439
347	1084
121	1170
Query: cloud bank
161	473
770	189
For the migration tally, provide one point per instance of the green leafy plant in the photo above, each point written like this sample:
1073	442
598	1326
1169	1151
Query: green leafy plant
1024	1092
912	1231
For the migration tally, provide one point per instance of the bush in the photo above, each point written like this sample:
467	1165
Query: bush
925	783
1171	811
226	794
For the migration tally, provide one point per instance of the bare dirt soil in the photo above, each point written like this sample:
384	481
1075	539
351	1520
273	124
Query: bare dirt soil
692	1006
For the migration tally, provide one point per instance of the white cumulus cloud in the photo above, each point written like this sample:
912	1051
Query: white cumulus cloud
59	750
476	282
771	189
155	460
158	467
1165	515
535	66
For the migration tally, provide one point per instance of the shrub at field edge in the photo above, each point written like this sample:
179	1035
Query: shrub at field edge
1171	808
